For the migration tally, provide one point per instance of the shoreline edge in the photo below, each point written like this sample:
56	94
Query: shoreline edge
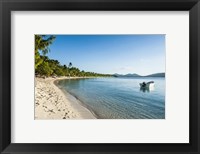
53	103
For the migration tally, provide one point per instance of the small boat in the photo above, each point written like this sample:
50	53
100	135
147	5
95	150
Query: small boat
147	84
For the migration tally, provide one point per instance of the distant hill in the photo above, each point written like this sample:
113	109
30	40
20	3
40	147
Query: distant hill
131	75
127	75
156	75
137	75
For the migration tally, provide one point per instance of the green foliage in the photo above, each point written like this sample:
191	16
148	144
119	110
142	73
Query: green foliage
38	60
49	67
44	69
59	72
42	43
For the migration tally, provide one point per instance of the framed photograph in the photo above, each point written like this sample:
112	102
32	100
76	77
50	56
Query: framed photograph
110	60
99	76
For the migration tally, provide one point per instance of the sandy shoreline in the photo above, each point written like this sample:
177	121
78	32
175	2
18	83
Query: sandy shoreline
52	103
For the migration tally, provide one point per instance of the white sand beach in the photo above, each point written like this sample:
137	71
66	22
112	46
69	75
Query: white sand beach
52	103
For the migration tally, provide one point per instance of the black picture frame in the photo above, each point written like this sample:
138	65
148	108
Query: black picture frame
6	6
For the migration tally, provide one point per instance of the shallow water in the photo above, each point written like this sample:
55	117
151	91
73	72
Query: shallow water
119	98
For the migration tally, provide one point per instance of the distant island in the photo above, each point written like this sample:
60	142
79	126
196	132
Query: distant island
80	78
46	67
156	75
137	75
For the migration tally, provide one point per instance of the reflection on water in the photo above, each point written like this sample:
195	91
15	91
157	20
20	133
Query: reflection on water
119	98
147	89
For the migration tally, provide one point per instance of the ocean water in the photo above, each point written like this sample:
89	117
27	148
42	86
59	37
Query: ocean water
119	98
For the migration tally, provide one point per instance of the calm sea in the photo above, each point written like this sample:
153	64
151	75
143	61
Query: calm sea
119	98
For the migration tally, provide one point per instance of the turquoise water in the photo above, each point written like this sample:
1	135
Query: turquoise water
119	98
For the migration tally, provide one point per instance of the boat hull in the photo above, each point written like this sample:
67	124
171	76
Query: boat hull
148	85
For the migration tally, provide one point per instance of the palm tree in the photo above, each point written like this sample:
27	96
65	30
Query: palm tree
42	43
70	65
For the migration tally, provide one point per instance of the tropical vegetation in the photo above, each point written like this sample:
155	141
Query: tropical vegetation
49	67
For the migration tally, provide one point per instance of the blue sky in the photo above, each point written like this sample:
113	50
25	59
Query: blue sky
141	54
